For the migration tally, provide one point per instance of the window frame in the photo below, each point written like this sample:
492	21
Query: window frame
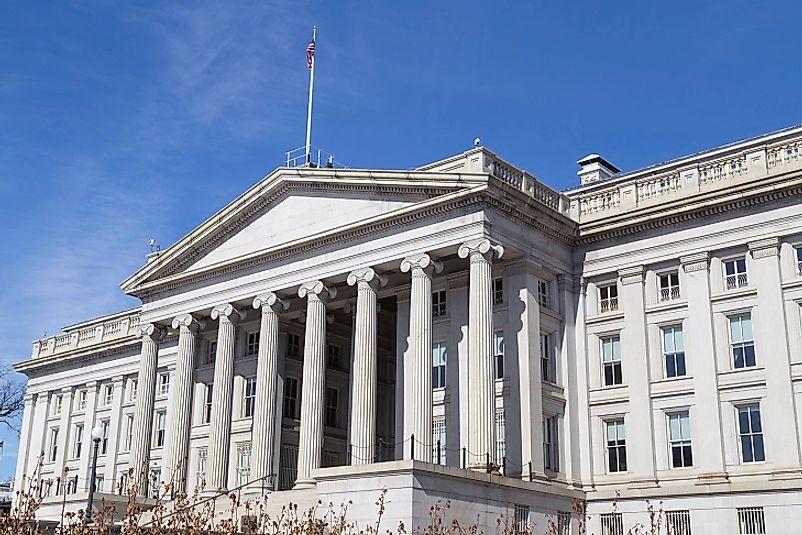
290	400
439	303
208	396
752	435
551	443
252	343
500	423
160	428
53	450
211	353
543	294
77	440
498	291
683	443
744	344
610	302
676	355
751	517
619	446
672	290
105	425
294	346
548	361
736	279
244	452
108	395
163	383
439	365
331	415
249	396
615	363
498	354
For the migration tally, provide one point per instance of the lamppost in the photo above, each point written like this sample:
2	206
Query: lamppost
97	435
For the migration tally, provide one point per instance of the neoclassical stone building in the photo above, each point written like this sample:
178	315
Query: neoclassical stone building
459	331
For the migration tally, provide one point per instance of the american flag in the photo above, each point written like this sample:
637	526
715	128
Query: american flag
310	53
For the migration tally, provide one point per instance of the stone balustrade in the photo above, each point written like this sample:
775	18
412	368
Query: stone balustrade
87	335
685	178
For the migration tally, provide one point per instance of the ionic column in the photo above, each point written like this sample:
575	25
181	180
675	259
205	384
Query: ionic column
139	457
264	419
313	385
220	429
363	404
481	376
179	411
422	267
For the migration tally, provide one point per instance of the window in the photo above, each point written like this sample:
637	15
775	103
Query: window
608	298
543	293
99	481
678	522
439	365
735	273
673	351
253	343
78	439
332	395
799	260
293	345
80	401
669	286
164	383
743	346
679	439
750	432
200	469
129	431
58	399
439	440
548	366
155	481
161	428
207	403
611	361
439	303
612	524
751	521
501	436
290	397
211	354
53	444
563	523
243	463
104	438
498	291
521	519
551	444
249	397
498	353
132	392
108	394
616	446
333	356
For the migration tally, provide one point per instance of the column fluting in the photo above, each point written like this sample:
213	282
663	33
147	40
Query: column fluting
313	385
179	410
481	376
220	429
363	404
264	419
139	456
422	267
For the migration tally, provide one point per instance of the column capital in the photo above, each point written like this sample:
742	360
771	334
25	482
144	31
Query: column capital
367	276
269	302
765	248
188	321
482	247
152	330
695	262
227	312
316	290
631	275
423	262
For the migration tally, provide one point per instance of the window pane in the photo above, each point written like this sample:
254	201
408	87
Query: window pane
668	340
671	369
740	264
746	327
749	355
678	343
685	426
680	364
754	417
746	449
735	329
738	354
743	420
674	427
759	454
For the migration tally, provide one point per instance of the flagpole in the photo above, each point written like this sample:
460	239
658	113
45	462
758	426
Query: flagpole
309	105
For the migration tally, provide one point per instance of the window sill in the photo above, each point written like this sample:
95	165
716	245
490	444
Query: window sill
747	291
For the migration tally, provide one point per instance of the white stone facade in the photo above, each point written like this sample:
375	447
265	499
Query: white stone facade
331	333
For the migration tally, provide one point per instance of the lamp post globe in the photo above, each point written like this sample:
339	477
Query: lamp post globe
97	436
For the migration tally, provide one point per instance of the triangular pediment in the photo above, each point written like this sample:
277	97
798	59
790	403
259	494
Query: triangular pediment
290	206
302	214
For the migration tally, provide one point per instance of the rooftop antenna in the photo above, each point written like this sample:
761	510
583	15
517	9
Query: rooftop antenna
310	63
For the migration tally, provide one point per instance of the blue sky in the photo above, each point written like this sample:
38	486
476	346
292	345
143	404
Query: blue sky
125	121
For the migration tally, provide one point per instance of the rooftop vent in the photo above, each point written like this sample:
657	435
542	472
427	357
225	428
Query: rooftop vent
594	168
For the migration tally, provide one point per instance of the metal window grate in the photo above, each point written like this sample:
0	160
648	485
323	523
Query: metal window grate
521	518
563	523
751	521
612	524
678	522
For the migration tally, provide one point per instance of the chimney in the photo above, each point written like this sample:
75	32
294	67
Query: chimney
594	168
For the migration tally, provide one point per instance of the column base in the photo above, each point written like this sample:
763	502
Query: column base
483	467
